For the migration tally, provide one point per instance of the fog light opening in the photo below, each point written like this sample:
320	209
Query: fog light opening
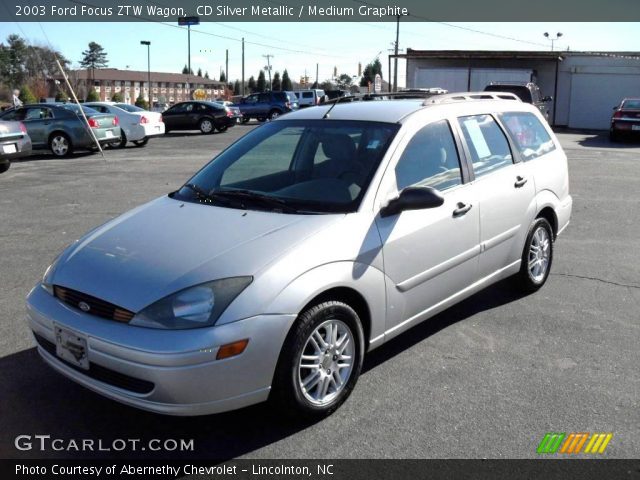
232	349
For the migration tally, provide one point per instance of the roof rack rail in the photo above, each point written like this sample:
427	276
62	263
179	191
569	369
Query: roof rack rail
469	96
423	94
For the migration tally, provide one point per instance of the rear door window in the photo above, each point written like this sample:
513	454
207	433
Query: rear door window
487	144
531	138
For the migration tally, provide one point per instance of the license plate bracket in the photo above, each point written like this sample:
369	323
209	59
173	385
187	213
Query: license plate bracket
72	347
635	127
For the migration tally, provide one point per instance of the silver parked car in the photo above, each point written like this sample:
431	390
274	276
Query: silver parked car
310	241
14	143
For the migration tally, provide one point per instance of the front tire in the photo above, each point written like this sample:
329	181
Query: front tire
206	126
537	256
60	145
320	361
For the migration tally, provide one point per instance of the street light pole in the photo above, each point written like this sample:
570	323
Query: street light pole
148	44
268	57
558	35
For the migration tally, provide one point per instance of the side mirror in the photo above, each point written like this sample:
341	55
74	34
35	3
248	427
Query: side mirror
547	99
615	108
413	198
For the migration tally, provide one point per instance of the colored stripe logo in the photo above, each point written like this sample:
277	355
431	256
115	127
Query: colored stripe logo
572	443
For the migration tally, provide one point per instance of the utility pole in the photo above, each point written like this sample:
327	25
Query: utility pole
226	67
242	87
317	84
395	59
189	59
268	67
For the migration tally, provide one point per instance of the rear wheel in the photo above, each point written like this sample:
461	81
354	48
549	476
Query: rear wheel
222	128
320	360
141	143
273	114
4	166
613	136
60	144
245	119
261	119
206	126
537	256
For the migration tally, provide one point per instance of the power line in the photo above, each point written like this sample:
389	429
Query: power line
460	27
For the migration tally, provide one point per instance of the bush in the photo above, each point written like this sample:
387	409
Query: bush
61	97
92	96
26	95
142	103
117	97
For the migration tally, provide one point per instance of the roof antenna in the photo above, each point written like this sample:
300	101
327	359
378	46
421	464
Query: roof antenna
337	101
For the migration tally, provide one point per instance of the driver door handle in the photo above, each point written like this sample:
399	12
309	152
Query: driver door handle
462	209
520	181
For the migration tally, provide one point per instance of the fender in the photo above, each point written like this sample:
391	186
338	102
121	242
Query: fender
368	281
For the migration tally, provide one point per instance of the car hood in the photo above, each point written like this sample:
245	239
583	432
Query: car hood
167	245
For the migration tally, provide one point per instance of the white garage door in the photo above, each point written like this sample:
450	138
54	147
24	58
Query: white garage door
451	79
594	95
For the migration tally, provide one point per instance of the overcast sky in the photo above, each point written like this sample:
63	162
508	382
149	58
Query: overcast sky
299	46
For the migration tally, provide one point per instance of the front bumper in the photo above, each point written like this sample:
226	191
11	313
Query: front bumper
179	365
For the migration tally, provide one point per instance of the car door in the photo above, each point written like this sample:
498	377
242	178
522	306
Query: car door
429	254
248	105
37	120
505	190
173	117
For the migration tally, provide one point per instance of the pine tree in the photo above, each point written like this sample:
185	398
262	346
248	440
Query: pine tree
286	81
206	75
236	87
276	84
185	69
199	72
223	76
252	84
94	57
261	85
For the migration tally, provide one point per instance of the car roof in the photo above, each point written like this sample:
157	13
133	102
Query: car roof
395	111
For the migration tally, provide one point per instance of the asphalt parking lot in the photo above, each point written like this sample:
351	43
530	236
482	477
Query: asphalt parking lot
485	379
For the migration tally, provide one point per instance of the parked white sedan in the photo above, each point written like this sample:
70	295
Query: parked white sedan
137	124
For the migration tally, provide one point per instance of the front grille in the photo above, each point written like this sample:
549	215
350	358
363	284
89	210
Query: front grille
102	374
96	307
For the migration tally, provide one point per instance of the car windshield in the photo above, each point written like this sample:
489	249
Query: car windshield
309	166
633	104
76	109
129	108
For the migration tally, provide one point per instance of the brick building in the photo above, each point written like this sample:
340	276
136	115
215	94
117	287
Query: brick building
166	88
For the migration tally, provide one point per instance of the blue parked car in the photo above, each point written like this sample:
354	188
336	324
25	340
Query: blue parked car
267	105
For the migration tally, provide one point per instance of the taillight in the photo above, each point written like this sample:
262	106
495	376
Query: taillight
93	123
161	119
618	114
23	129
229	113
115	122
143	120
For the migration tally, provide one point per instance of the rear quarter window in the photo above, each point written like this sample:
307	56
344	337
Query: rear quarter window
529	135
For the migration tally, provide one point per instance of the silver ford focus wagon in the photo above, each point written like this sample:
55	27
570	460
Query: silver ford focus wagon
310	241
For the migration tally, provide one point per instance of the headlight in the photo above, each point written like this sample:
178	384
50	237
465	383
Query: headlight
193	307
47	283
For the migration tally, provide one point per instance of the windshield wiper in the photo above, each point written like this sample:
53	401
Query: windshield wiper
268	200
210	196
